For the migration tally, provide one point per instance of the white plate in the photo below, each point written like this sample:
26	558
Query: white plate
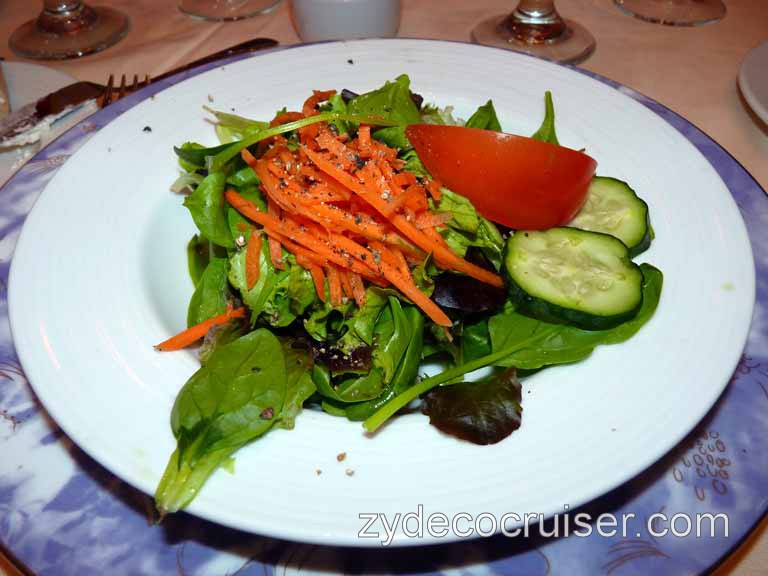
100	276
753	80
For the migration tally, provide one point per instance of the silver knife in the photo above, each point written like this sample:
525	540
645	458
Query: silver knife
27	124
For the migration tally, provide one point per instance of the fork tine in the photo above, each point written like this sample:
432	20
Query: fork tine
135	83
108	91
147	80
121	91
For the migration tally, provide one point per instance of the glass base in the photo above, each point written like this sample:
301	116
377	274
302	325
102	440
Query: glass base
226	10
573	46
674	12
92	30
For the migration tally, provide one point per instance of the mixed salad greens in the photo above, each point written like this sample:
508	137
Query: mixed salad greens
330	266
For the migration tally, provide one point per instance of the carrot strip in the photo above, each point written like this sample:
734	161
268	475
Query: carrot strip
252	257
310	104
402	199
364	140
193	334
318	277
430	219
433	187
411	291
334	285
275	250
346	285
285	117
358	289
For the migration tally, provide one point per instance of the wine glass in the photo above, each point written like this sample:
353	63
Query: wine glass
226	10
69	29
534	27
674	12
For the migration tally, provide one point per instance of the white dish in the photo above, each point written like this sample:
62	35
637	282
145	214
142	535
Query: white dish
99	276
753	80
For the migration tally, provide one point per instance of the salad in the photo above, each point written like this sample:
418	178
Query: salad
338	252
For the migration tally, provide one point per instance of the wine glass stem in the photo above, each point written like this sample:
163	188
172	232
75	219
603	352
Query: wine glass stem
65	17
535	22
59	6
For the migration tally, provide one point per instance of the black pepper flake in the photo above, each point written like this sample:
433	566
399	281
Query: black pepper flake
350	61
267	413
147	129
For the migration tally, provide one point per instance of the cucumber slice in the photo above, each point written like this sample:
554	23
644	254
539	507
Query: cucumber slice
574	276
612	207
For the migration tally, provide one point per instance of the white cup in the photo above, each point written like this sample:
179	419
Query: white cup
316	20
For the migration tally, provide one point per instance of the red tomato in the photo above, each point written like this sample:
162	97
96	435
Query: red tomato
519	182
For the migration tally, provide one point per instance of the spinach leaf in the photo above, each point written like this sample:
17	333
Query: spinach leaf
407	368
211	294
392	335
467	228
209	209
198	256
546	133
255	298
465	217
391	338
544	343
324	321
562	343
358	329
483	412
392	102
431	114
413	163
292	293
475	342
193	155
485	118
299	384
219	336
336	104
230	401
245	176
231	127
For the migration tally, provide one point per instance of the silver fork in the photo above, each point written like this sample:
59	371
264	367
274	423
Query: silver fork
112	93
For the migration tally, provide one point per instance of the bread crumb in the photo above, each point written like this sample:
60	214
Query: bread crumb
341	456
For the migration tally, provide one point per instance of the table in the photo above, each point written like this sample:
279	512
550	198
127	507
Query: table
690	70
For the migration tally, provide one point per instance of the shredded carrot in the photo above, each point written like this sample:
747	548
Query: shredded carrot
346	285
275	250
430	219
285	117
318	277
348	213
289	229
334	285
358	289
252	257
193	334
433	187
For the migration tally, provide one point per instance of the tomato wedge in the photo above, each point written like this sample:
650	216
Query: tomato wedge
519	182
